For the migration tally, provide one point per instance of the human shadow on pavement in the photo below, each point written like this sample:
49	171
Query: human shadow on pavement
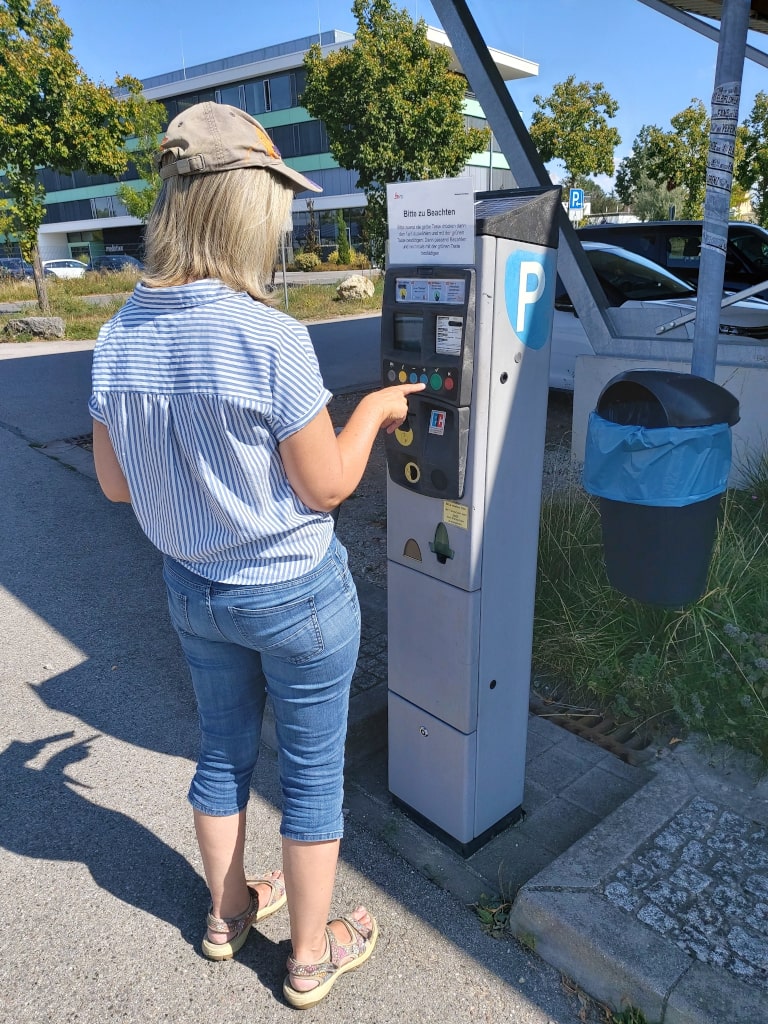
51	818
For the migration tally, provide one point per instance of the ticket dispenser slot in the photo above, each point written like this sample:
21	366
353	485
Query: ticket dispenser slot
428	333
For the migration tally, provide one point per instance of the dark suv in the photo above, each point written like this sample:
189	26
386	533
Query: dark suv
13	266
115	263
676	245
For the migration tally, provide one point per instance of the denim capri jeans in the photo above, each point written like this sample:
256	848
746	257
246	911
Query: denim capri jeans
297	641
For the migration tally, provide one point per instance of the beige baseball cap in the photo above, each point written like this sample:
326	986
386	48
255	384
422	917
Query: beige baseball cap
211	137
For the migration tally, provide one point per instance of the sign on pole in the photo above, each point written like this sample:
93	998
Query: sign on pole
576	199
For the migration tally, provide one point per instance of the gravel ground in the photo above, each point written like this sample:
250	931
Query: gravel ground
362	526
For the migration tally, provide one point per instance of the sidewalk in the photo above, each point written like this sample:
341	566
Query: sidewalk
646	885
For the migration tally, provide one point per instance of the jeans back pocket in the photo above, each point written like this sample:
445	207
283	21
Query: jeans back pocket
290	632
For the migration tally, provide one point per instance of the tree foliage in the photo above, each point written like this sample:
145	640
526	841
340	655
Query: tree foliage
52	114
670	168
679	157
649	198
391	106
150	119
752	169
571	125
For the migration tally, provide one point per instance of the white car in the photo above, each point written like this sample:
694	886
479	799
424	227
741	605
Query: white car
63	268
641	297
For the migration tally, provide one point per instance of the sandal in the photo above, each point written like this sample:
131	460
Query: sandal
241	924
340	957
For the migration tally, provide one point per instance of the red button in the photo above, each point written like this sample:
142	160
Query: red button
449	384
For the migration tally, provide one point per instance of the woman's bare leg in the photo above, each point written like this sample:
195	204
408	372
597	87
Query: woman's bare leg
310	872
222	847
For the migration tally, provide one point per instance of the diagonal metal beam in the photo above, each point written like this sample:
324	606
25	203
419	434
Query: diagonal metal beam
691	21
525	163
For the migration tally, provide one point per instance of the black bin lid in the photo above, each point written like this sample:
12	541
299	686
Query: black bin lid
660	398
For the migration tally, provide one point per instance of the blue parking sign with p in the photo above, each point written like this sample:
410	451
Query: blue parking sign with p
529	287
576	199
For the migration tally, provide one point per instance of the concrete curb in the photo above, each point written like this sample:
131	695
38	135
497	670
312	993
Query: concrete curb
563	912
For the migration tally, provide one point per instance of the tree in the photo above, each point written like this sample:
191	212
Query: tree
752	170
679	157
648	198
52	115
312	237
391	106
9	225
576	130
150	119
342	244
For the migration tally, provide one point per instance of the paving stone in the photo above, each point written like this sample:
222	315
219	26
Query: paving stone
556	769
560	819
700	891
599	791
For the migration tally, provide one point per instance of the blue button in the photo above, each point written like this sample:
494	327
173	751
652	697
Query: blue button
413	378
423	379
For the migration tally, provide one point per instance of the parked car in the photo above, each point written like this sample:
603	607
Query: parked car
676	245
114	263
63	268
14	266
641	296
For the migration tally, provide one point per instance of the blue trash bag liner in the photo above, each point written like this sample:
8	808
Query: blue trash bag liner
668	467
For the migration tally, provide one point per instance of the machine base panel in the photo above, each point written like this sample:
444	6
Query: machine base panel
463	849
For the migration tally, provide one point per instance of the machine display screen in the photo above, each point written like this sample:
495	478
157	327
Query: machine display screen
408	333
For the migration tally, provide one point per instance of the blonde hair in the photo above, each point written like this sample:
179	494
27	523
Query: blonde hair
225	225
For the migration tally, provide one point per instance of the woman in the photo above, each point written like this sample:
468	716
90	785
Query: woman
210	418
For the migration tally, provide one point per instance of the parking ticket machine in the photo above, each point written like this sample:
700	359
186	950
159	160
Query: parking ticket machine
463	498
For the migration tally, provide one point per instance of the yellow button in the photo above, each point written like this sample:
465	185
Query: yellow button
405	436
402	376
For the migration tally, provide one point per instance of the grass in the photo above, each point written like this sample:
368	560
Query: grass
702	668
73	300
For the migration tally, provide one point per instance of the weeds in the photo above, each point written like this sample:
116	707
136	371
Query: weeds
493	914
705	666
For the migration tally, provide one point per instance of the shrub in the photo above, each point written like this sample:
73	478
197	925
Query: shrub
307	261
343	241
333	257
360	261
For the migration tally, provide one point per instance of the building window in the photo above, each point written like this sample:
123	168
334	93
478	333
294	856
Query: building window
107	206
231	94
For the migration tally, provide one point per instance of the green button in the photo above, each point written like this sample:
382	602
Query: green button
435	381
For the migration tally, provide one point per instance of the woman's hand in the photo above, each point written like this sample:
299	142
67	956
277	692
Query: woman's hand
392	403
323	468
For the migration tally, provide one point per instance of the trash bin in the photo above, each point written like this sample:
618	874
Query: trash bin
658	455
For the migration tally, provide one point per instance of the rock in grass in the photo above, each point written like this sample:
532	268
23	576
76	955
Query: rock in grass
38	326
355	287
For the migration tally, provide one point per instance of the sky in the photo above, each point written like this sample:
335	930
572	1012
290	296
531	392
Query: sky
652	66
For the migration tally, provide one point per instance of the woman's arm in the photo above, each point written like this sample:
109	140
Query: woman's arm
108	471
323	468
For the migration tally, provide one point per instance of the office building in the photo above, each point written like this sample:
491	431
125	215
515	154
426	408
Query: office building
85	217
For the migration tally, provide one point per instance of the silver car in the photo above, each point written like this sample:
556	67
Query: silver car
641	297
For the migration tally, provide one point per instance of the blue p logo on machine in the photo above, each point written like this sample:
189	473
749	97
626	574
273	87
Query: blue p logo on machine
529	288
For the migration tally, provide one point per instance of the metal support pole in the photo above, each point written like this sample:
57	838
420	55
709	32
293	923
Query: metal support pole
717	202
527	167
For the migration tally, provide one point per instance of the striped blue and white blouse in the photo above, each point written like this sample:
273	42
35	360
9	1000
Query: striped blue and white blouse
197	385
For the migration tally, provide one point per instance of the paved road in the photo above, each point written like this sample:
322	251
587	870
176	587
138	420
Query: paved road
58	374
102	895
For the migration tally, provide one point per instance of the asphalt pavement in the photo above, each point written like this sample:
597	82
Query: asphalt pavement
646	884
